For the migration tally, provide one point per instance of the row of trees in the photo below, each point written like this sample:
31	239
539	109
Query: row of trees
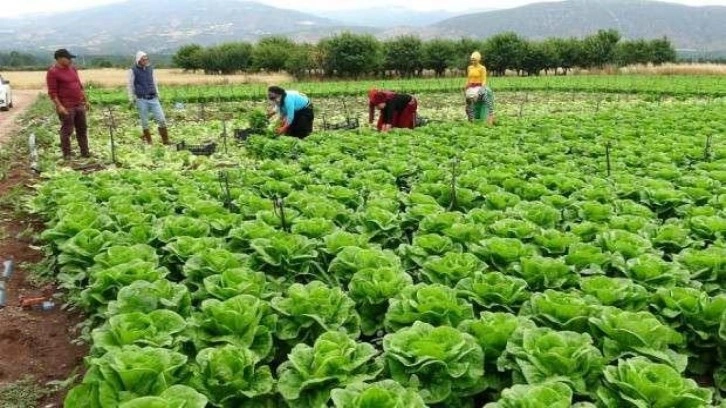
354	55
17	59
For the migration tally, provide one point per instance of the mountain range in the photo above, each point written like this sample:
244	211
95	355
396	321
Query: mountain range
161	26
388	17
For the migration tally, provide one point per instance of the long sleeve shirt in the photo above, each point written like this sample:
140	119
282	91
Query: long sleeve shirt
381	96
294	101
65	85
130	79
395	105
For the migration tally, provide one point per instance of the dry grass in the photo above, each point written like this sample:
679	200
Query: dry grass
113	77
676	69
665	69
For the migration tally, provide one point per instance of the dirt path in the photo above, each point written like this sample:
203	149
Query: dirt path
22	100
32	342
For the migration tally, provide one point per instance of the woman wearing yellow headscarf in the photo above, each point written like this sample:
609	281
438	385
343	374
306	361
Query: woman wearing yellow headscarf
479	97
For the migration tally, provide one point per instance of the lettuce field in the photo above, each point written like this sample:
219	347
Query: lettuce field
572	255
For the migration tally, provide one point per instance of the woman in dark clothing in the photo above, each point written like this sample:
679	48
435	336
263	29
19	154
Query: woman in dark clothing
295	112
398	110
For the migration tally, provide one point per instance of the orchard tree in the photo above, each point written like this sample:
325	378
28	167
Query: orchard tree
662	51
300	60
212	60
352	55
568	53
536	57
600	49
437	55
633	52
504	51
270	53
227	58
404	55
188	57
320	58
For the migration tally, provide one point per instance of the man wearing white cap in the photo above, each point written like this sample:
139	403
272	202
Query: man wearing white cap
144	93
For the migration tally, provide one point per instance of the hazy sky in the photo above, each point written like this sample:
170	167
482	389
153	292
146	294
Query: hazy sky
12	8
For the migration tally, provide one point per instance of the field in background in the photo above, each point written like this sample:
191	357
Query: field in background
675	69
114	77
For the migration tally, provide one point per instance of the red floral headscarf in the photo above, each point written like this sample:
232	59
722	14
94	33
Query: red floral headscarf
376	97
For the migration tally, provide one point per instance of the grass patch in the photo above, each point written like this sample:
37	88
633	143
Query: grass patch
41	273
24	393
13	200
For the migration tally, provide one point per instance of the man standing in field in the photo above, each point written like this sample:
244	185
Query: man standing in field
66	92
144	93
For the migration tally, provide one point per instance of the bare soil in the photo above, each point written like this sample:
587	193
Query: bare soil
22	100
32	342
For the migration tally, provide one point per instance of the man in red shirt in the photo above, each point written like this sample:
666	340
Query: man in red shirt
66	92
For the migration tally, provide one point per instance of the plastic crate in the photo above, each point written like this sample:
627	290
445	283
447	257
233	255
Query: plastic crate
348	124
422	121
204	149
244	134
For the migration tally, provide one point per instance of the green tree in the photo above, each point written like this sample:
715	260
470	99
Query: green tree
404	55
352	55
271	53
18	59
536	57
212	60
188	57
100	62
568	53
227	58
633	52
300	60
437	55
600	49
662	51
320	59
505	51
238	56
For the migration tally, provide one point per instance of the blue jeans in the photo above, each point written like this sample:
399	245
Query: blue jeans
153	106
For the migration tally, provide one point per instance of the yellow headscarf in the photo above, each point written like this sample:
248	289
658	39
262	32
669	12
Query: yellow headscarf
476	56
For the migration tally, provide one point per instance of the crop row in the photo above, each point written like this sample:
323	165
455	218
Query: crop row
683	86
451	266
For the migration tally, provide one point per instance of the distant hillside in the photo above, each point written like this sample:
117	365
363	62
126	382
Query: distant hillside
384	17
161	26
158	26
687	27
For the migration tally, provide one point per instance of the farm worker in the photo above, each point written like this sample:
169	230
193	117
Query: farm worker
295	112
387	95
66	91
479	97
398	110
144	93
